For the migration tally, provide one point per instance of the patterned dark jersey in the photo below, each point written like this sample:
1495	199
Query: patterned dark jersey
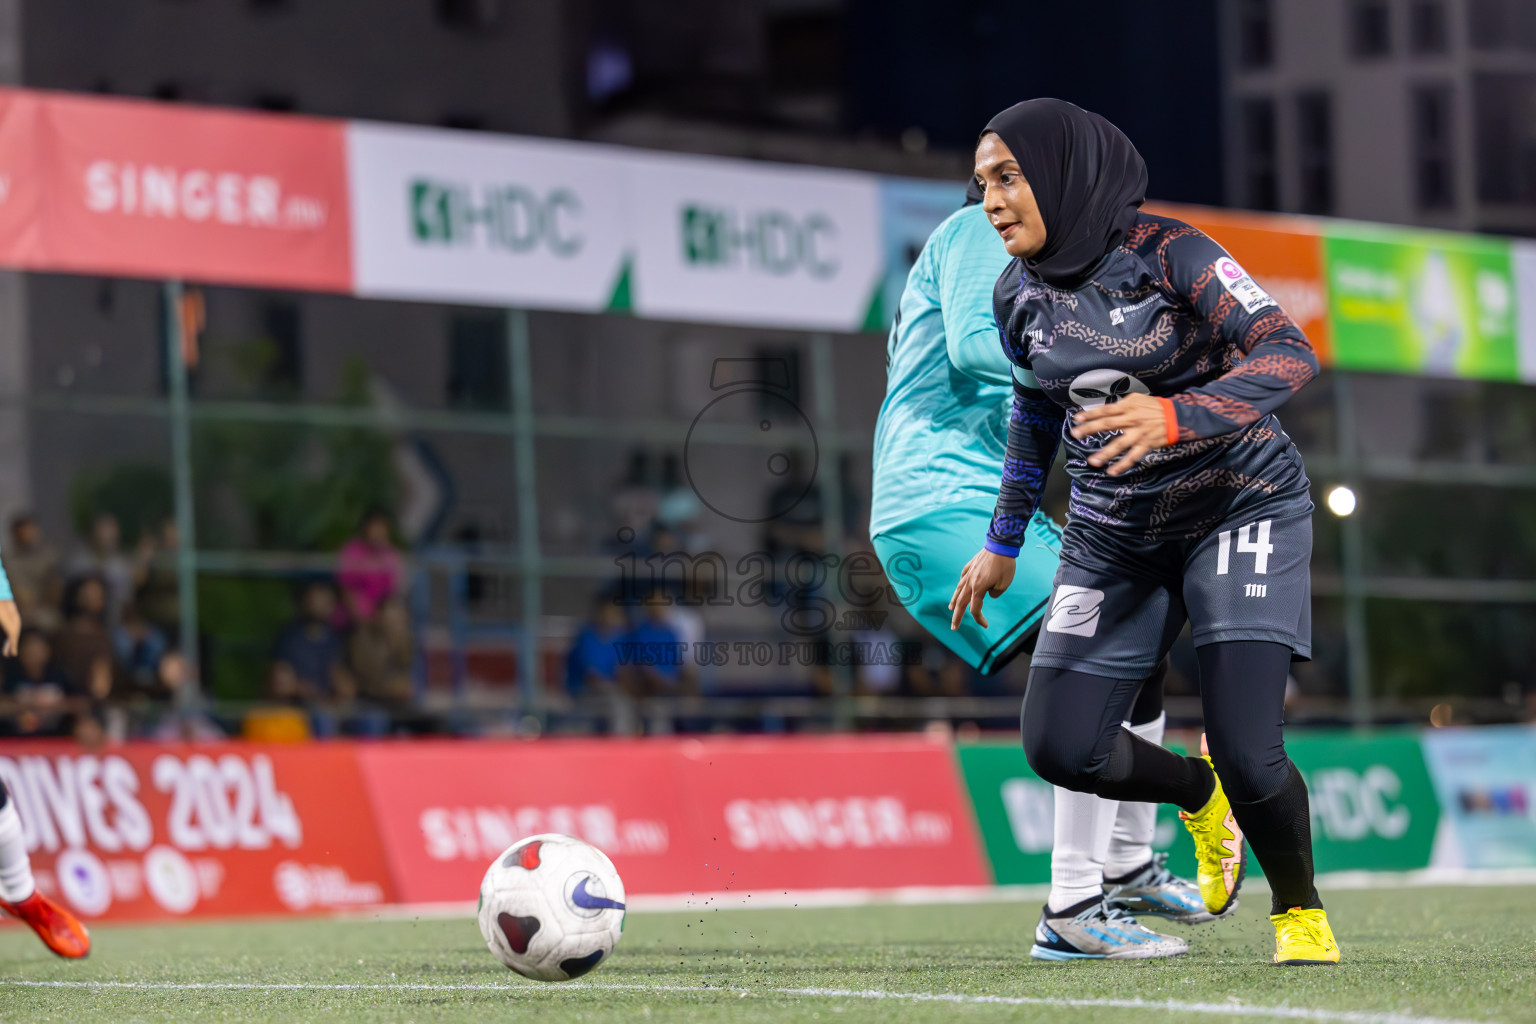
1169	314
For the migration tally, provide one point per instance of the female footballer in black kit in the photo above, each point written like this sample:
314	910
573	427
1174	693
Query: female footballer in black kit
1164	361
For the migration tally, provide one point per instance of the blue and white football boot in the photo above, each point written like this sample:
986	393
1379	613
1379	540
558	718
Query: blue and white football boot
1154	891
1093	930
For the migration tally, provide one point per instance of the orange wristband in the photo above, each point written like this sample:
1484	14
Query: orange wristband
1170	420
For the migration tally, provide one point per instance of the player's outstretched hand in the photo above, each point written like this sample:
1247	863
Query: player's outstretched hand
986	575
1139	418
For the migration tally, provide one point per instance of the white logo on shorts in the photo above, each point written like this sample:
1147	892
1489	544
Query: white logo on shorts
1075	610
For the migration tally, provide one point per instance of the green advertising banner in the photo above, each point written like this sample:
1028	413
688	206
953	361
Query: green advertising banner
1373	806
1421	302
1015	812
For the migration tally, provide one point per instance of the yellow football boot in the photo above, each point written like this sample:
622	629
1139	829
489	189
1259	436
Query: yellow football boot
1219	850
1303	937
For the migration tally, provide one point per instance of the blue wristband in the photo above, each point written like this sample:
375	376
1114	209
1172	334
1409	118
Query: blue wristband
999	548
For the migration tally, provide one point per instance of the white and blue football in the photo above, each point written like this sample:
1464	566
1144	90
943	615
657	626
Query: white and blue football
551	907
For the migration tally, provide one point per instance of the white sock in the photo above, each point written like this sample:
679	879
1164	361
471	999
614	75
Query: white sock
15	866
1083	826
1131	845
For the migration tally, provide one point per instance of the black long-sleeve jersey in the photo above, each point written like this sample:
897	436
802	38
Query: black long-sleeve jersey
1170	314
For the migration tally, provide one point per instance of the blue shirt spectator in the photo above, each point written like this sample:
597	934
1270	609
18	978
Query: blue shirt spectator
593	659
654	652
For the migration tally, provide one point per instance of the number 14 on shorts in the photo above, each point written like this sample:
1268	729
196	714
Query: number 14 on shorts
1252	539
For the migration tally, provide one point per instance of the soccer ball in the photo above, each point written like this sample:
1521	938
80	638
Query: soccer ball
551	907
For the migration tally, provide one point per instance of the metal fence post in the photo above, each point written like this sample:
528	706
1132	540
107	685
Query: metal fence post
520	367
831	484
181	474
1356	632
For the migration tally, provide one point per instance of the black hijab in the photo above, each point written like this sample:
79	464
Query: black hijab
1087	178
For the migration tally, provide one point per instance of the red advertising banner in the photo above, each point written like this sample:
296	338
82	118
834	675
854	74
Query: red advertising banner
110	186
148	832
21	189
680	815
446	809
847	812
142	832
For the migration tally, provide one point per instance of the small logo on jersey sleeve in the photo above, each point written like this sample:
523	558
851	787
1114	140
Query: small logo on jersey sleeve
1243	288
1075	610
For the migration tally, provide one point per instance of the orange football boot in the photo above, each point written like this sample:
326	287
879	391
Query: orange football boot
60	930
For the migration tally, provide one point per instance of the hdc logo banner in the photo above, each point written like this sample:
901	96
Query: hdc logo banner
447	216
726	242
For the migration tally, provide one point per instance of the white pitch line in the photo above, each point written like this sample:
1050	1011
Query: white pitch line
1168	1006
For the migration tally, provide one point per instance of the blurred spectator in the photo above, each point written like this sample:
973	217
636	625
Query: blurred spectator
593	662
654	664
685	592
794	511
382	654
102	557
939	672
159	597
33	566
309	658
370	571
182	723
138	647
877	665
84	649
37	698
678	506
635	504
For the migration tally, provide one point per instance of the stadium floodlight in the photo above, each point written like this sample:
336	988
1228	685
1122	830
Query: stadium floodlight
1341	500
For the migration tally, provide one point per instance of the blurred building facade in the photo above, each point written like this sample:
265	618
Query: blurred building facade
1405	111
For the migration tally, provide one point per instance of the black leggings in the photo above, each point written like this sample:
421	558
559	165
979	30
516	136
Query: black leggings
1073	738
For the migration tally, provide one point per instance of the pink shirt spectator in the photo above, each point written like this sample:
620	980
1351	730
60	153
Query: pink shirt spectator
369	575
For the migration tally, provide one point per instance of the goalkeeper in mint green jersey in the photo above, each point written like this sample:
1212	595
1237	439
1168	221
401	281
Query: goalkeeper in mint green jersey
939	445
939	449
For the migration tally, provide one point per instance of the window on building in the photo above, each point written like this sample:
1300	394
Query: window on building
1314	151
1433	148
1501	24
276	102
282	329
1505	130
471	15
805	52
1255	34
1428	32
477	361
1370	28
1261	172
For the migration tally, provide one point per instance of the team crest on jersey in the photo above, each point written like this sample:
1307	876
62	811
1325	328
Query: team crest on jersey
1104	387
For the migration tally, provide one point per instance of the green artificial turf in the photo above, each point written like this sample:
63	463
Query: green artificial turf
1463	954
